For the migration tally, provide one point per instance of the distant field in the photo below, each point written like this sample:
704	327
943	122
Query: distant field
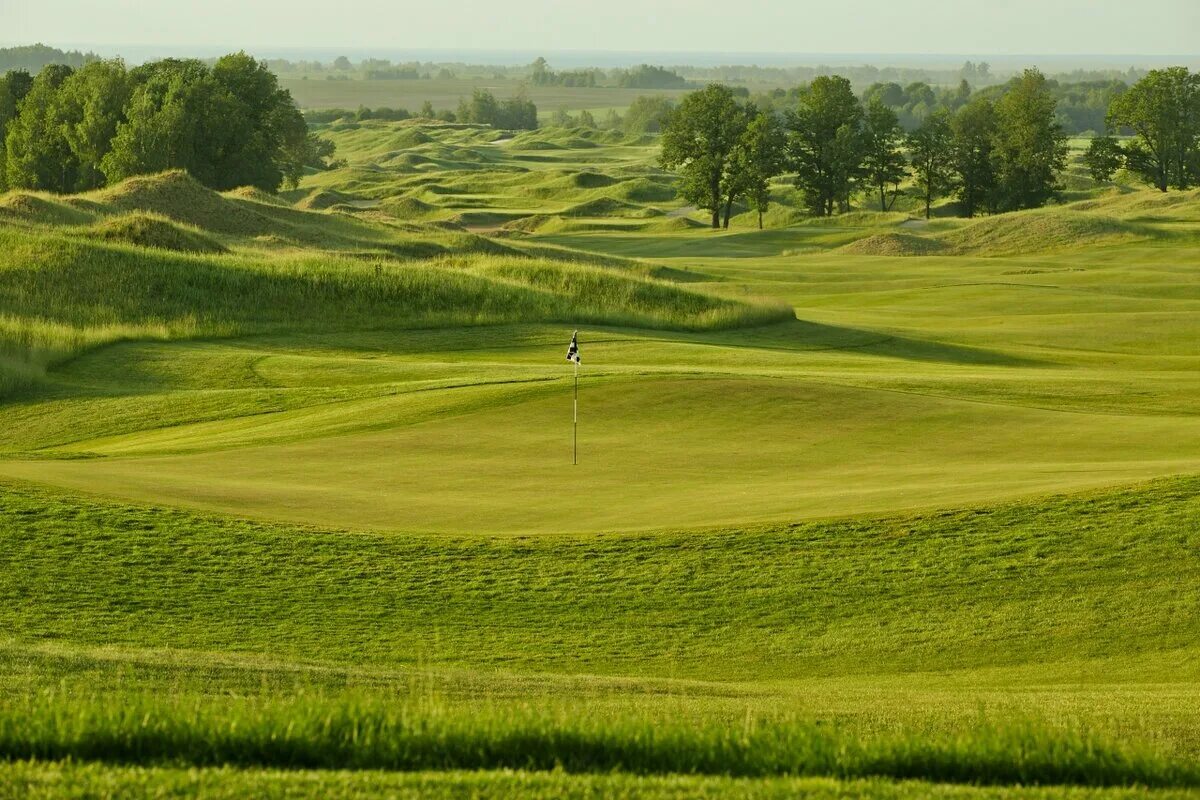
866	507
445	93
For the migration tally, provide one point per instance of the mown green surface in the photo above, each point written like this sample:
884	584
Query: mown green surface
35	781
861	497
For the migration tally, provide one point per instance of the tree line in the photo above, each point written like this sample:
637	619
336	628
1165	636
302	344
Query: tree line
994	153
32	57
482	108
70	130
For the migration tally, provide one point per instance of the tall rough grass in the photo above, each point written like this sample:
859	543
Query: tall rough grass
60	296
362	731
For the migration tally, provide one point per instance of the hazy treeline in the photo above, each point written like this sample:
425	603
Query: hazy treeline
514	113
32	57
68	130
1079	107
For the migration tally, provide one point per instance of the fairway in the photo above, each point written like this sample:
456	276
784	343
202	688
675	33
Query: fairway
657	452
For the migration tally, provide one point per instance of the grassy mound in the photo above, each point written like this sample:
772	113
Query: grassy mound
1145	204
672	224
182	198
643	190
641	299
533	223
590	180
151	230
29	207
1039	231
894	244
256	195
322	199
407	208
62	294
610	207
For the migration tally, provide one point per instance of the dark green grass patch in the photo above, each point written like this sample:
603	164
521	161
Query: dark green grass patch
369	732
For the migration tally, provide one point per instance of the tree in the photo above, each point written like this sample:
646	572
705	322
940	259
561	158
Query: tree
1030	146
342	64
92	104
276	147
178	117
698	139
1103	158
884	164
586	120
1163	111
228	126
540	74
646	115
931	149
518	113
13	87
824	143
515	113
973	130
37	154
427	111
756	159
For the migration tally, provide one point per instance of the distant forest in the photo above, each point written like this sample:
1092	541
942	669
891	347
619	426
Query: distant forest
32	57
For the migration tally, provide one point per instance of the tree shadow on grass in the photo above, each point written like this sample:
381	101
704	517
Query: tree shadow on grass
802	336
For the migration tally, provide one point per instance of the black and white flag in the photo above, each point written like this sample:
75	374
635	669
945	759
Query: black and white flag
573	350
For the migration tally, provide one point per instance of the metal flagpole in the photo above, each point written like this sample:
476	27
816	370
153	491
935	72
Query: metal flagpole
575	432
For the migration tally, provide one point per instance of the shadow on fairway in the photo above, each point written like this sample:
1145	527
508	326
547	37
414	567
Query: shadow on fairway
804	336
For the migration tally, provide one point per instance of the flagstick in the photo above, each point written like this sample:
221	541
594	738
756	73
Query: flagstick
575	432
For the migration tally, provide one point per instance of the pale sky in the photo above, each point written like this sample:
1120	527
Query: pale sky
1115	27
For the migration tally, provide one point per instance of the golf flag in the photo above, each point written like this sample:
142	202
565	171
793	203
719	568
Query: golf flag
573	350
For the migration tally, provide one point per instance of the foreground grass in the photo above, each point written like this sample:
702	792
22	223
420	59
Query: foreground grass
1098	575
39	780
373	732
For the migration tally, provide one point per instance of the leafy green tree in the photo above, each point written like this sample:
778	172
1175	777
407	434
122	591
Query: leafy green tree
275	149
825	143
757	158
1163	111
646	115
92	104
884	165
699	137
931	148
518	113
178	116
427	111
586	120
1030	146
973	130
1103	158
37	154
540	73
228	126
14	85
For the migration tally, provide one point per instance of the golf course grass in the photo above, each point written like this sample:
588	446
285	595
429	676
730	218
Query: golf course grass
869	506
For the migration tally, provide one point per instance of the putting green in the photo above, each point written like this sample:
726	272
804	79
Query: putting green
654	452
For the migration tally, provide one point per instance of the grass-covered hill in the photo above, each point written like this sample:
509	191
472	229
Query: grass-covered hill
869	506
163	257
